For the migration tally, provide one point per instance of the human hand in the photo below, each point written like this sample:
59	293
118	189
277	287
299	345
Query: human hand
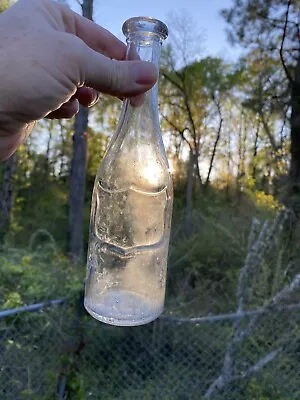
50	58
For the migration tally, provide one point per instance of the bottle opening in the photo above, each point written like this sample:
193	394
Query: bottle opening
145	27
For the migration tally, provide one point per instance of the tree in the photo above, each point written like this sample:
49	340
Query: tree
271	29
193	102
269	104
78	169
7	198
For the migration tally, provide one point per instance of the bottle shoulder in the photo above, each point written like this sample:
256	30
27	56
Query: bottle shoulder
142	170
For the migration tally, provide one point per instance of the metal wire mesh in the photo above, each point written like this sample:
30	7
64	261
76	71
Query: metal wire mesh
29	351
60	353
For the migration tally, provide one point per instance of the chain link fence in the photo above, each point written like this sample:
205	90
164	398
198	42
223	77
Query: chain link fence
59	352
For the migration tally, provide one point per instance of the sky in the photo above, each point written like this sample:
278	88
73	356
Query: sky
111	14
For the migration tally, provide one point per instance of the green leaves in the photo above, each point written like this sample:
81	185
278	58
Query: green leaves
30	277
214	76
4	4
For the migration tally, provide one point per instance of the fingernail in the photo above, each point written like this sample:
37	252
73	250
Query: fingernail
96	97
144	73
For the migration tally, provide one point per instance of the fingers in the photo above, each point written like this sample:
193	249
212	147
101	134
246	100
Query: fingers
67	110
87	97
137	101
122	80
118	78
96	37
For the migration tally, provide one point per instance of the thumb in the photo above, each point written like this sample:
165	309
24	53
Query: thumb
119	78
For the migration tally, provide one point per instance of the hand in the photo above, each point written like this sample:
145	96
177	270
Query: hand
50	58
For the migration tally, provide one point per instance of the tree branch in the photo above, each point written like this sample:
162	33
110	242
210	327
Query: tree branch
171	80
259	365
215	144
257	249
180	131
285	117
253	233
287	72
267	130
281	296
193	131
220	382
171	104
227	370
254	161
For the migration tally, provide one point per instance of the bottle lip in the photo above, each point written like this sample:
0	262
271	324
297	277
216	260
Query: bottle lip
145	26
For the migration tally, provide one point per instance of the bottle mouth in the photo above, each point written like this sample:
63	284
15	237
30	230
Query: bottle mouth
145	26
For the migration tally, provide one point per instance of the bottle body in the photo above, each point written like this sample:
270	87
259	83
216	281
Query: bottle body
131	220
129	236
126	284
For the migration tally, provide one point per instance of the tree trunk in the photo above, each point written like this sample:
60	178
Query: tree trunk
77	185
215	146
9	169
295	132
62	155
196	167
254	158
188	223
228	180
240	163
88	9
78	170
47	159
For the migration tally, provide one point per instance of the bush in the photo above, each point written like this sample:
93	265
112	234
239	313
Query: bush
27	277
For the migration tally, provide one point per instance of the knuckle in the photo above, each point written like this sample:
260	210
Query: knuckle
117	76
73	56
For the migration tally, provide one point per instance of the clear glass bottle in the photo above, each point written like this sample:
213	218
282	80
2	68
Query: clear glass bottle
132	205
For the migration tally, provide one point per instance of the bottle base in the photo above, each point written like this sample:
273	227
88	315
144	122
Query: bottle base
122	308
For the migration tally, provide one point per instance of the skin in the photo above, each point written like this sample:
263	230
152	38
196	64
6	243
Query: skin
52	60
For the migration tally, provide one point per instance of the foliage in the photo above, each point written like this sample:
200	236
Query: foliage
43	273
270	32
4	4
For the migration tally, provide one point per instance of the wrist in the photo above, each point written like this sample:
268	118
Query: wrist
11	137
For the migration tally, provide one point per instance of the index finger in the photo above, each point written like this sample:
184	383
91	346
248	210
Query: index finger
96	37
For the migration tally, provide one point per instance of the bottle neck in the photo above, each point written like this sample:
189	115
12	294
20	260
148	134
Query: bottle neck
140	124
147	49
138	131
144	48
